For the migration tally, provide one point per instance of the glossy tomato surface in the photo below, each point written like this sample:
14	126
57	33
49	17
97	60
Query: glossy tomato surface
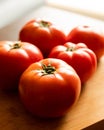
49	88
82	59
93	37
15	57
44	34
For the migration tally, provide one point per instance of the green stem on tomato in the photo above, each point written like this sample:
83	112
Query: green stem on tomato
70	48
44	23
48	69
16	45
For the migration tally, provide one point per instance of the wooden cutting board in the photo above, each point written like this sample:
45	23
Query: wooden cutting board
88	110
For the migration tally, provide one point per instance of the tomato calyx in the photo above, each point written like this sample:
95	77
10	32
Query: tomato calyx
47	69
43	23
71	48
16	45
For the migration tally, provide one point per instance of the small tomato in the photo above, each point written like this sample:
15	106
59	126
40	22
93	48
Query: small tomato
82	59
15	57
93	37
43	34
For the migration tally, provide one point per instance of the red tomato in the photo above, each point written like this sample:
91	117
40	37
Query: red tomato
91	36
82	59
49	88
43	34
15	57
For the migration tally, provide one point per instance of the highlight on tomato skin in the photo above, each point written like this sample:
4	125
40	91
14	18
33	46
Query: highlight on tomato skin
79	56
49	88
42	33
15	57
92	36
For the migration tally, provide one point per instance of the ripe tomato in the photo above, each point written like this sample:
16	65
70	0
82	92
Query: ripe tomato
49	88
91	36
82	59
43	34
15	57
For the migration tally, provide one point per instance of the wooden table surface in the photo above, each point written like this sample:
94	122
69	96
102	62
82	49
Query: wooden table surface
90	107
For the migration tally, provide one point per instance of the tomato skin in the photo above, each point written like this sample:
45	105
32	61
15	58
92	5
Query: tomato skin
44	34
93	37
15	57
82	59
49	95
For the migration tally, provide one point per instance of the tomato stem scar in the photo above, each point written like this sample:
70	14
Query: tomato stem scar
48	69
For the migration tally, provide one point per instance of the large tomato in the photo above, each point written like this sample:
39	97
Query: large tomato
15	57
93	37
82	59
44	34
49	88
